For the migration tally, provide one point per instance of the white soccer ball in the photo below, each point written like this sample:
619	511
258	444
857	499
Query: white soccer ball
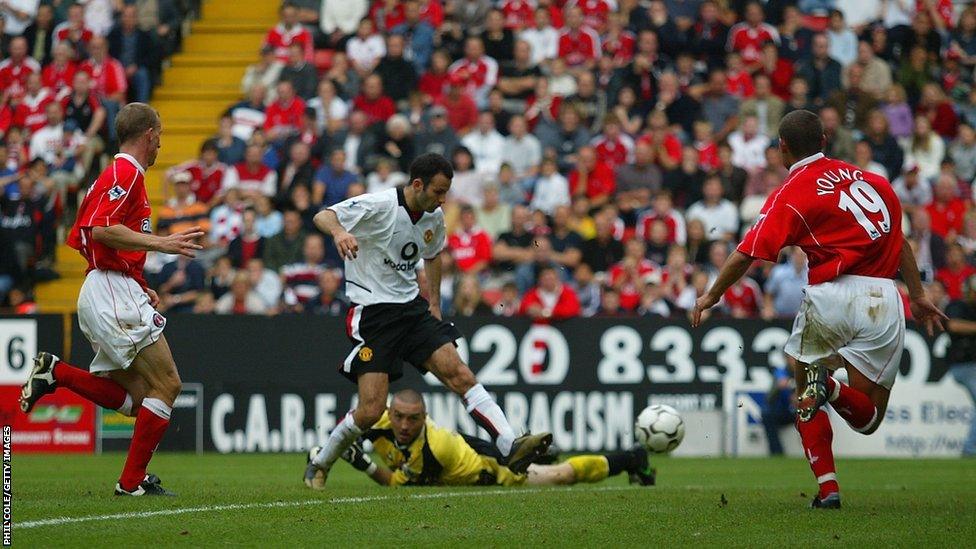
659	428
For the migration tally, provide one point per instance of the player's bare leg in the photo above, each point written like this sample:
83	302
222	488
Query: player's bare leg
50	372
593	468
446	364
134	385
374	388
862	404
157	369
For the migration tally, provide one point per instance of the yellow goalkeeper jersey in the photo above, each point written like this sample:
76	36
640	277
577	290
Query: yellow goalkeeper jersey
438	457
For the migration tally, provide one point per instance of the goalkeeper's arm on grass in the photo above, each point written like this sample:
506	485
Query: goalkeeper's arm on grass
356	456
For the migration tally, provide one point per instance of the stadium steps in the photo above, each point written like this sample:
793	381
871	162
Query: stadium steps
202	81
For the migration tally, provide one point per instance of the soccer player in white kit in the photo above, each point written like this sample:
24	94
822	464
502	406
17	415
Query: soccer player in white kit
848	222
382	236
133	370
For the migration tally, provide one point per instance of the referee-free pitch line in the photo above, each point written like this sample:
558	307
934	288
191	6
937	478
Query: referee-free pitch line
61	521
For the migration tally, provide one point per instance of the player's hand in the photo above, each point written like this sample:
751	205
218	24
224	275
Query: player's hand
153	297
347	245
702	304
357	457
182	243
925	312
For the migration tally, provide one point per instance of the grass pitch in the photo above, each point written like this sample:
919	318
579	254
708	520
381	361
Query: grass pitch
259	500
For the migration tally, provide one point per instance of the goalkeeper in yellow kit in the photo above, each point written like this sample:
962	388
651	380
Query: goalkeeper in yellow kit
416	452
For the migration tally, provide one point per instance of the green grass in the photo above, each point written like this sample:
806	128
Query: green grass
886	503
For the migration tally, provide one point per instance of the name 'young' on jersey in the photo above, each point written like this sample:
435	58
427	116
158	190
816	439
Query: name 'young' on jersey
847	220
391	245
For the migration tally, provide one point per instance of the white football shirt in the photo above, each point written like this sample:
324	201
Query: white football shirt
390	246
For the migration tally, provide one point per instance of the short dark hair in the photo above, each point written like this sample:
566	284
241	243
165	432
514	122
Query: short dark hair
428	165
133	120
410	396
802	132
209	145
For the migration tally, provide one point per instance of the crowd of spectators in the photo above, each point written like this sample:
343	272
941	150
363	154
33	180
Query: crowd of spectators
66	67
608	154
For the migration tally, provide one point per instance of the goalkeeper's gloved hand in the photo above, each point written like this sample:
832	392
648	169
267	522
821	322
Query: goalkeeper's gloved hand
358	458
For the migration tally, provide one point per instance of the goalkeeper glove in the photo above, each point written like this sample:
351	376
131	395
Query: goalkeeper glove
358	458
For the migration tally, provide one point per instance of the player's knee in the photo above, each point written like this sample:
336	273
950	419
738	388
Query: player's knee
171	385
369	412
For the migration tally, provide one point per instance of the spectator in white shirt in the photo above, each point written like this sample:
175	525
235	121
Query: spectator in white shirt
385	177
749	146
58	148
522	150
329	107
843	41
551	189
366	48
485	144
543	38
719	216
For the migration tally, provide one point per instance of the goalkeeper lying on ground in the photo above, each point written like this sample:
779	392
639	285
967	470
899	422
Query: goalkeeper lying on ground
419	453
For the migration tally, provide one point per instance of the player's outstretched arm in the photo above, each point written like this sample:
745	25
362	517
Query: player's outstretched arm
433	267
328	222
735	266
922	308
356	456
121	237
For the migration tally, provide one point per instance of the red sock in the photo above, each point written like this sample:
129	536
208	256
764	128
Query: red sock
854	406
817	436
100	390
151	423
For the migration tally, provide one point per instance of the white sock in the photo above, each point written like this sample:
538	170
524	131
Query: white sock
344	434
157	407
126	408
486	413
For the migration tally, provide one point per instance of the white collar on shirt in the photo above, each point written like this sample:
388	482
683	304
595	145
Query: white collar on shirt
808	160
133	161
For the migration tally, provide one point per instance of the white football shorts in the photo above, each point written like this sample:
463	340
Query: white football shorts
115	315
859	318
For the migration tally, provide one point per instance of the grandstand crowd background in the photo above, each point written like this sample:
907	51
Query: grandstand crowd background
608	155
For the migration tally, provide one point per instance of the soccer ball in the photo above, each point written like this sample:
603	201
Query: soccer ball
659	428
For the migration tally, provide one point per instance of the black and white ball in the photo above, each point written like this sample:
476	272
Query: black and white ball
659	428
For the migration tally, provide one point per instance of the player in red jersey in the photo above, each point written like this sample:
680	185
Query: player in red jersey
133	370
848	222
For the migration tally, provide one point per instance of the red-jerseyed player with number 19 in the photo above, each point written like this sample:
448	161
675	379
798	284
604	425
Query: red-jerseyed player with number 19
848	221
133	370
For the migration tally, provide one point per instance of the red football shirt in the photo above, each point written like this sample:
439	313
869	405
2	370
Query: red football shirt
469	248
118	197
848	221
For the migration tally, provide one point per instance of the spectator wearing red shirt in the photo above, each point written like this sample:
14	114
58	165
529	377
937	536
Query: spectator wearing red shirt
377	107
955	272
738	80
593	178
748	36
15	69
283	118
618	43
663	210
666	145
614	147
470	245
743	299
287	32
550	300
627	276
946	210
462	113
108	75
934	106
30	113
59	74
518	14
387	14
595	12
433	12
780	71
206	174
73	31
579	45
477	72
433	83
